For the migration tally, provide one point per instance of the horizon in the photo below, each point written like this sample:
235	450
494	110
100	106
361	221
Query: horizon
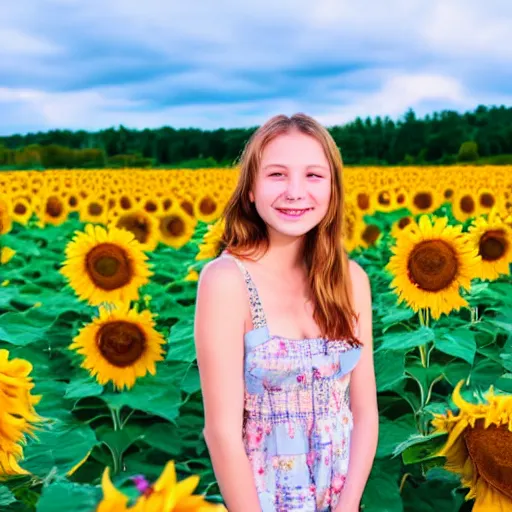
395	120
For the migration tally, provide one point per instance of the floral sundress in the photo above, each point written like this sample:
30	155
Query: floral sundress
297	417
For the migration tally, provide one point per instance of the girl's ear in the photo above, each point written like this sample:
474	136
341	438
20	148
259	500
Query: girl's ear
251	196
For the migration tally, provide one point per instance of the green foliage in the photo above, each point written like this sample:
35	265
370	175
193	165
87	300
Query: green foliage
468	151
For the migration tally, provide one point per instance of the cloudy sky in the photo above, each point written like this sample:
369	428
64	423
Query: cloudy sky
230	63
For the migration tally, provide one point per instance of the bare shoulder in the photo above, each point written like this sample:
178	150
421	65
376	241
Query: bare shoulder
358	274
221	275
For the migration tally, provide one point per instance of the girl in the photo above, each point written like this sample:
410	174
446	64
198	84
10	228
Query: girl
283	333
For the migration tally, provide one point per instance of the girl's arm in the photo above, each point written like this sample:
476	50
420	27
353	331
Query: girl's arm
221	306
363	399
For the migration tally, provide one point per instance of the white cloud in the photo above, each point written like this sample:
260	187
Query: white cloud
334	58
470	29
397	94
14	42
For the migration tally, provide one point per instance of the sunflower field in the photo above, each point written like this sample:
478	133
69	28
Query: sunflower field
100	401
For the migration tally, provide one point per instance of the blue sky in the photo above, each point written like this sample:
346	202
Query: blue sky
186	63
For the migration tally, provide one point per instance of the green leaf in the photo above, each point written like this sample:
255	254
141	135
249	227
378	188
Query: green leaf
6	496
23	328
419	448
382	492
458	343
165	437
406	340
155	394
485	373
393	432
119	441
181	342
505	383
82	387
396	315
389	369
69	497
432	496
60	448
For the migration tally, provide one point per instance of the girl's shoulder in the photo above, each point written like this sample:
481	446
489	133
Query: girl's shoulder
221	275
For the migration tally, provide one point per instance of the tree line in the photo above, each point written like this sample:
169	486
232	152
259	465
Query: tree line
442	138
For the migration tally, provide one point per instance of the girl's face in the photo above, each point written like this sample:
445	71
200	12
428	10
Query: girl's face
292	188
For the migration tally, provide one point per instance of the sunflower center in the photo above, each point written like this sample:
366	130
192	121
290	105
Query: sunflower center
167	204
53	207
370	234
448	193
138	225
423	200
384	198
432	265
400	198
490	450
363	201
125	203
20	209
188	207
467	204
173	225
403	222
95	209
487	200
150	206
121	343
108	266
72	201
493	245
207	206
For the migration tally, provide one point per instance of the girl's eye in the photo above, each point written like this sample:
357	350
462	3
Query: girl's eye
276	174
313	174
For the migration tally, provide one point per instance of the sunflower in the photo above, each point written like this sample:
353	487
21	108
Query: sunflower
465	205
143	225
119	346
168	495
405	222
493	239
18	417
479	448
430	263
22	210
105	266
55	210
176	227
206	207
93	210
5	217
211	243
113	500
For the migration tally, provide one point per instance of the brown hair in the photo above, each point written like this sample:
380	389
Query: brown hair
326	260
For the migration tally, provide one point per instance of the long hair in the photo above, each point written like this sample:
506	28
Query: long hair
326	261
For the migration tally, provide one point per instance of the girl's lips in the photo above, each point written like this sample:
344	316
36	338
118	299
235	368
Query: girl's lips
293	213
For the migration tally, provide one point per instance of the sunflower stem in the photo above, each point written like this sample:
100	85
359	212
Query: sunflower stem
116	420
423	315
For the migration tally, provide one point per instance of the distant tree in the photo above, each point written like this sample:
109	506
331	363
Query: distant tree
468	151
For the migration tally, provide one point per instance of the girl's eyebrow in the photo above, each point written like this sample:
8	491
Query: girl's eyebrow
312	166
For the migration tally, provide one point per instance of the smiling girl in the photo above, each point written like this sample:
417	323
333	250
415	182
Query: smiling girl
283	333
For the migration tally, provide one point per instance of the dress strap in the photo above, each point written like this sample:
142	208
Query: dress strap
257	313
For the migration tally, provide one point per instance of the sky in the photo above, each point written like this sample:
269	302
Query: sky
95	64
